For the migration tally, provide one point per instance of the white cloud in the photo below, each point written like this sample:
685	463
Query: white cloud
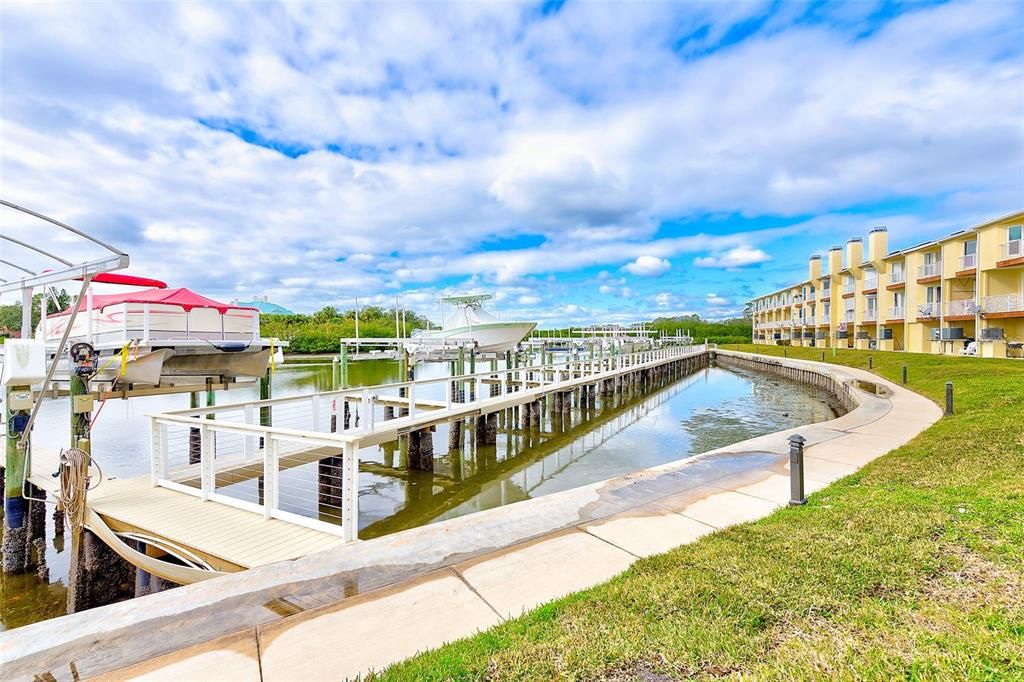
716	300
648	266
664	299
737	257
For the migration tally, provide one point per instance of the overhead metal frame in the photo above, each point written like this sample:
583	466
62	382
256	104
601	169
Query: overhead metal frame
67	269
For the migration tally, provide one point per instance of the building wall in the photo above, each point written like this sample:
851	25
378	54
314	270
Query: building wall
980	292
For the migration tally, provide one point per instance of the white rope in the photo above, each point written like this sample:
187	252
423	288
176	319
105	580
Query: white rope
74	484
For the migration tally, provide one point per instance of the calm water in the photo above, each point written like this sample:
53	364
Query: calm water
706	410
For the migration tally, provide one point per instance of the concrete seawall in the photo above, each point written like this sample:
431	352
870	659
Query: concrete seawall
285	621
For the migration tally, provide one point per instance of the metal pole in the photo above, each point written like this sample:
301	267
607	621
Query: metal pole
871	362
796	470
949	398
904	375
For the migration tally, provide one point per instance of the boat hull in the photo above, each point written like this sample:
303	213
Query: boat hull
492	337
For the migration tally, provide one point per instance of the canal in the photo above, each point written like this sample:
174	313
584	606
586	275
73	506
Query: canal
709	409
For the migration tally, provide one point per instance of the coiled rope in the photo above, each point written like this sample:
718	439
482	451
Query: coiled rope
74	484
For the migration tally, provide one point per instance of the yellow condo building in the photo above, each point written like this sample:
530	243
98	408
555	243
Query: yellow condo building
962	294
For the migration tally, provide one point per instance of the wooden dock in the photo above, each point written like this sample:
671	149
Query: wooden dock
203	457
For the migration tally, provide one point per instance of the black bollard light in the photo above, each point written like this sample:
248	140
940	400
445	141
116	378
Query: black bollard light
949	398
871	361
904	375
796	470
823	356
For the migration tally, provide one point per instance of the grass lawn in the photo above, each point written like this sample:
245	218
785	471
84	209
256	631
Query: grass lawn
911	568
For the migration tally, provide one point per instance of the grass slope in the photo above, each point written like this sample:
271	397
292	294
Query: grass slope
911	568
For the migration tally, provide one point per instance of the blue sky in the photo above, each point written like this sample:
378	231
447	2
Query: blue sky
584	162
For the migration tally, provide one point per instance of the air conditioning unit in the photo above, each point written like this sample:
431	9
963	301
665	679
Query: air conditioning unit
992	334
886	333
952	333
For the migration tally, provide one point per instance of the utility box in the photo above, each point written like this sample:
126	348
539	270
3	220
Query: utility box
24	362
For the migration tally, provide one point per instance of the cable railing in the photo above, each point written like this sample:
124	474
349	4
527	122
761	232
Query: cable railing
296	459
1003	303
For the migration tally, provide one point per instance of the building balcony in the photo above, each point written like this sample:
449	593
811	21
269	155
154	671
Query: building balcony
823	320
897	277
811	297
963	307
929	270
1003	304
968	262
871	315
1013	249
928	310
871	284
849	316
896	312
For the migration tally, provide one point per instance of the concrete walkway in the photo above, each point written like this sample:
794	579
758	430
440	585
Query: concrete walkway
452	579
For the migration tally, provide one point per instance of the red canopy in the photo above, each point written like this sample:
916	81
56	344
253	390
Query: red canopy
183	298
128	280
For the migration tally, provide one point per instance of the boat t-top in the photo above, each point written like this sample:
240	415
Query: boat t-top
465	322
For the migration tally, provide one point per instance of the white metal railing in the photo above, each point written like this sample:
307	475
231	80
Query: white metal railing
823	319
969	261
871	315
1013	249
813	296
928	310
870	283
848	288
896	312
848	316
798	299
251	455
1003	303
961	307
897	277
928	270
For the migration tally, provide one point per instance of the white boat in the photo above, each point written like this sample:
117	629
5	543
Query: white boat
159	335
465	322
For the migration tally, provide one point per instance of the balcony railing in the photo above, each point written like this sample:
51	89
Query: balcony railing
871	315
1013	249
969	261
896	312
848	316
813	296
928	310
928	270
870	283
962	307
1003	303
848	288
897	277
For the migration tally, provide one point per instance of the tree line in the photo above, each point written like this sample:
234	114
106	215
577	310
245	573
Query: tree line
319	332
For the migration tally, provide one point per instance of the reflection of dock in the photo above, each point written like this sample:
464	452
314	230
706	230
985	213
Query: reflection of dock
526	450
228	486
